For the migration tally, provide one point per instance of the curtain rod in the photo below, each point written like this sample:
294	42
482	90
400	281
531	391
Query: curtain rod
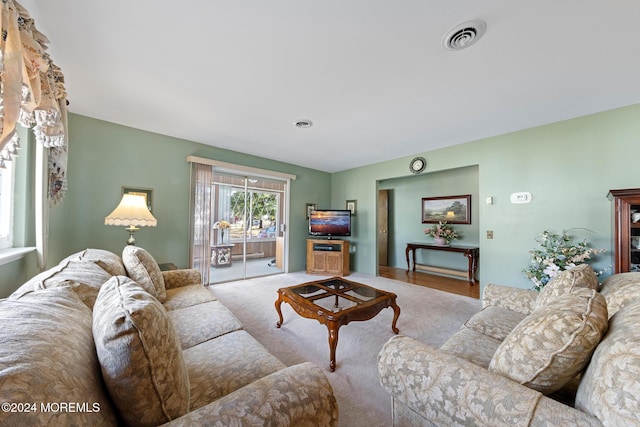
231	167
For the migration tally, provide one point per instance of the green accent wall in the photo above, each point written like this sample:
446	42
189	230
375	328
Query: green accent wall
104	157
568	167
15	273
405	214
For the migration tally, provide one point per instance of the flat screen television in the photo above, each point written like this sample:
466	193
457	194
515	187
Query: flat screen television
330	223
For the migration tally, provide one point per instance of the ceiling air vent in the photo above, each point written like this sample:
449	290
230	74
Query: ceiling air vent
303	123
464	35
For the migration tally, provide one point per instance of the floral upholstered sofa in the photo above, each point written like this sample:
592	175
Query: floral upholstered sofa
103	340
567	356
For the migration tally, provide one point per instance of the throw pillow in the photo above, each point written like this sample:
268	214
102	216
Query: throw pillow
140	355
496	322
144	269
609	389
620	290
580	276
84	277
109	261
47	355
554	343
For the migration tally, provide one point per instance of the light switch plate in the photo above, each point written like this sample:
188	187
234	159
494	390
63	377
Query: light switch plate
522	197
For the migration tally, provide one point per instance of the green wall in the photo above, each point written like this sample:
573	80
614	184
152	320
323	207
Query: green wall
14	273
405	222
568	166
104	157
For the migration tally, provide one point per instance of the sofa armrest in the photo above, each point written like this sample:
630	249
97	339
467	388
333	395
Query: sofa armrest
294	396
515	299
181	277
448	390
553	413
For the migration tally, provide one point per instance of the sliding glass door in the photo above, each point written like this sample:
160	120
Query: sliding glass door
238	220
247	238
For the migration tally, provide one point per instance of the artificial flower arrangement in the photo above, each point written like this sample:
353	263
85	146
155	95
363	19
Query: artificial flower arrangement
443	231
221	224
558	253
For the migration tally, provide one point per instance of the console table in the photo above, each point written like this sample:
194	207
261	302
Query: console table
471	252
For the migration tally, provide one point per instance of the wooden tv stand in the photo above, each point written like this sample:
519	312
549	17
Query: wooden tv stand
329	257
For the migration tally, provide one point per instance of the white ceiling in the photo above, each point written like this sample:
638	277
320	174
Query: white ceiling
372	75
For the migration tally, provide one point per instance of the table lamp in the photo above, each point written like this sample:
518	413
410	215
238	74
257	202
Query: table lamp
132	212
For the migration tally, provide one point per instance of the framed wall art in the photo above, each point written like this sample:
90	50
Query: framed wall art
310	208
147	193
352	205
452	209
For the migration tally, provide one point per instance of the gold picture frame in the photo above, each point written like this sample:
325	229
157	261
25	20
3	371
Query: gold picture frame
352	205
310	208
452	209
146	192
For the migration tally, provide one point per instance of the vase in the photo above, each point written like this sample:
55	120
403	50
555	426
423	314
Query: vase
440	241
222	239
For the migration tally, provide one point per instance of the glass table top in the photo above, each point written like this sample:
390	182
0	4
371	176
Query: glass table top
336	294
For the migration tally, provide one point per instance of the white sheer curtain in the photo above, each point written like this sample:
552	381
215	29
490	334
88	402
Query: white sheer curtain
223	211
202	200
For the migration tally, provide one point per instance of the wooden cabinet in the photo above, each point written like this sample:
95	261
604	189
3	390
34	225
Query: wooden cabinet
626	229
329	257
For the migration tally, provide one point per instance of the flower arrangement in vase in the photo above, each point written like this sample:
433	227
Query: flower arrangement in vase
222	225
557	253
442	233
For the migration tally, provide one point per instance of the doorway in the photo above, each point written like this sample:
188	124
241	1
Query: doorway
383	227
238	220
247	237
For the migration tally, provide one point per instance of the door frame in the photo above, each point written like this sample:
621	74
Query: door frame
231	168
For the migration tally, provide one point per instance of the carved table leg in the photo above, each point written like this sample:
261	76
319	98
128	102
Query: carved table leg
333	344
470	272
396	314
476	255
278	304
406	253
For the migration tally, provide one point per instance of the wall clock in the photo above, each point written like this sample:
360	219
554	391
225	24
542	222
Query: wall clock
417	165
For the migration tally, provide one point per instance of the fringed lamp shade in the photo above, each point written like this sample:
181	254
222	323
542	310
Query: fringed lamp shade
132	212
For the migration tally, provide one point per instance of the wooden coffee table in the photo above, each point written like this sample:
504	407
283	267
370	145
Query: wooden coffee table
336	302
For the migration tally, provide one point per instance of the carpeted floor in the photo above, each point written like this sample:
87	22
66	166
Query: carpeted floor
426	314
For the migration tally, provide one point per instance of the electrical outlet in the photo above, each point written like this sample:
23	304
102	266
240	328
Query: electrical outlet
489	234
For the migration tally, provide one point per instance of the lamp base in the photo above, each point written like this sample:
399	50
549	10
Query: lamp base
131	229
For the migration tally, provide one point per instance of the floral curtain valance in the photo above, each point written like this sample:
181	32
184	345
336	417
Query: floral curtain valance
32	90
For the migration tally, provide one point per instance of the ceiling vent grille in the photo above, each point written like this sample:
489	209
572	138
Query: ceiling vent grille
303	123
464	35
